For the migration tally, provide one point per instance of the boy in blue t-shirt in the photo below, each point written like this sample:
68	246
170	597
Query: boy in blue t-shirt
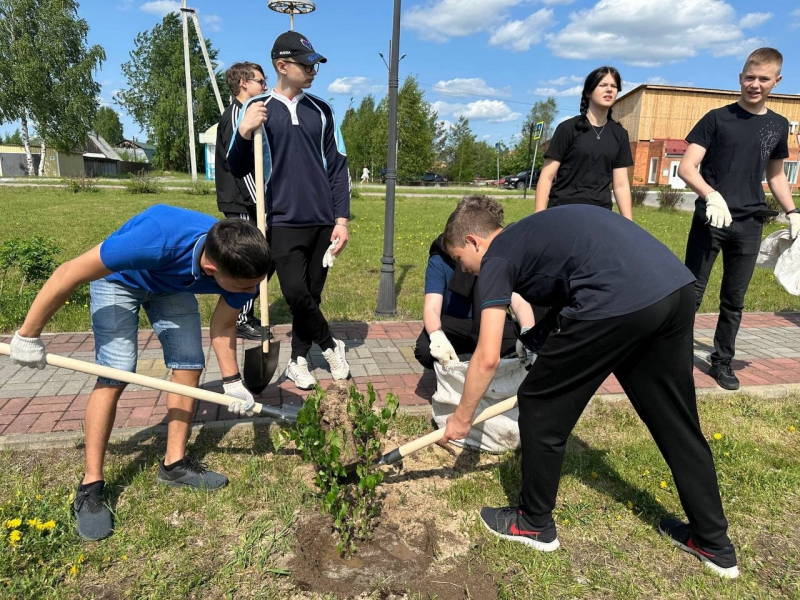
158	261
449	328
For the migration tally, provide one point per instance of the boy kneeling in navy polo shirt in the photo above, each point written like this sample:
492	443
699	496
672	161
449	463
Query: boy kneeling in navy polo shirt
625	305
158	260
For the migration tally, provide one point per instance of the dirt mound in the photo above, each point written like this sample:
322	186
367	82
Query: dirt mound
333	413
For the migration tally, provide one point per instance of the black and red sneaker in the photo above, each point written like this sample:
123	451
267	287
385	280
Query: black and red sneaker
722	562
510	523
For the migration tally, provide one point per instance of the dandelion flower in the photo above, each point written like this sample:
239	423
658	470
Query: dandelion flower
727	454
594	475
124	557
718	436
38	496
792	428
646	472
12	523
619	518
33	522
80	559
663	485
566	521
73	570
630	504
14	537
49	525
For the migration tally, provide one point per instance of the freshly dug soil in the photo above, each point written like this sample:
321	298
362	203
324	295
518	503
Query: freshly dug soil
333	413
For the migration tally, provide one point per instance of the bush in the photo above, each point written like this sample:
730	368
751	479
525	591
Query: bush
639	194
355	194
34	259
353	506
669	199
80	184
201	188
773	204
143	182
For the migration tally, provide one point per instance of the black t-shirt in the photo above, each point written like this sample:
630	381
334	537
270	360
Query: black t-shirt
738	146
594	263
584	176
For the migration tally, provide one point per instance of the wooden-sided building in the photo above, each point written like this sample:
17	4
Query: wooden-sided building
659	117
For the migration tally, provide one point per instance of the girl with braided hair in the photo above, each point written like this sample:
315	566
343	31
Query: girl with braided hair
589	153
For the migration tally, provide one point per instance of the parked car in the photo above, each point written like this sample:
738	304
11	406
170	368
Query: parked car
519	180
433	179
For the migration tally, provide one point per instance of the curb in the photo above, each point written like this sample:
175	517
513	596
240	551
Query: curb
69	439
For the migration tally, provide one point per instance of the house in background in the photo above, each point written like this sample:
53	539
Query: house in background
13	162
209	139
659	117
135	151
100	159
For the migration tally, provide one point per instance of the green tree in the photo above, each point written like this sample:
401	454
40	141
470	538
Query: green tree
108	126
518	158
485	160
47	72
416	131
13	139
156	94
459	151
357	127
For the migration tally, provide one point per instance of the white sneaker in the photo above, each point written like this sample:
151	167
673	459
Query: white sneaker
298	372
336	359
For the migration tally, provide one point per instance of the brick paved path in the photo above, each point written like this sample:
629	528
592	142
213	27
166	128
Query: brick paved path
54	400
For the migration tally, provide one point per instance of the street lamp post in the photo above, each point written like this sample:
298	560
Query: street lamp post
387	298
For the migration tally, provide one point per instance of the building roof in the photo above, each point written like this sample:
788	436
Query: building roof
677	147
138	144
694	90
97	147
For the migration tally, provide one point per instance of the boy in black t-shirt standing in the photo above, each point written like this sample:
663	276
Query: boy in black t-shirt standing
628	309
733	146
236	196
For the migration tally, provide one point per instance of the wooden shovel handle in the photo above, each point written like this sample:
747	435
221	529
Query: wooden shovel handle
261	221
157	384
435	436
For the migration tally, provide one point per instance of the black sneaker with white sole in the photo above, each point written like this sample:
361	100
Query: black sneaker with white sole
723	374
91	512
188	472
510	523
722	562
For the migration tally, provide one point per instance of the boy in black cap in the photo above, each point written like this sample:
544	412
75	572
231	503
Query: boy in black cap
308	195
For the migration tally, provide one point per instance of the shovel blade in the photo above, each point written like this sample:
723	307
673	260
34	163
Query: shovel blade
260	366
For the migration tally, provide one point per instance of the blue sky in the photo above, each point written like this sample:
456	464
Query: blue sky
486	59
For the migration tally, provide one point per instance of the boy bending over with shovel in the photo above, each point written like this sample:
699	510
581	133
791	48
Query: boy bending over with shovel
157	261
628	309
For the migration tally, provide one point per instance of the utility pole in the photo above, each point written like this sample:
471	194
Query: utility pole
387	297
189	109
528	159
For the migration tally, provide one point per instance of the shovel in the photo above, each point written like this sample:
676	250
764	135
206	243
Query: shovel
282	414
260	362
396	455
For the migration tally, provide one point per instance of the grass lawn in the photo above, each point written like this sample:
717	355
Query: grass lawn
78	221
241	542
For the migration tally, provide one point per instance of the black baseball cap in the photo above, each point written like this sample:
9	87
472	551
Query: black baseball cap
295	45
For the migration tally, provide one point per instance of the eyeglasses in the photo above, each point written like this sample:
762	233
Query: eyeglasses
309	69
261	82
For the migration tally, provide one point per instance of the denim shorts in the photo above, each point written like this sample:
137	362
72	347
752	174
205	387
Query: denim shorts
115	321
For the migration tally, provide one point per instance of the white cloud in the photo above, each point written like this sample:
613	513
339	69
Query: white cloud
796	15
554	2
353	85
650	32
519	36
161	7
486	136
467	86
212	22
124	4
564	80
754	20
551	91
493	111
440	20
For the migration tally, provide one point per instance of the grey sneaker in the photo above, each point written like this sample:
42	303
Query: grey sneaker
92	513
190	473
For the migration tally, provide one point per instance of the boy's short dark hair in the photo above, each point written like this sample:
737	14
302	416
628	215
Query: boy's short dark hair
238	71
764	56
474	215
238	249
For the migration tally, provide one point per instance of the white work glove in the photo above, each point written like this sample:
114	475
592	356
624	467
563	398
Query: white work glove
441	348
243	403
794	224
523	353
28	352
717	213
327	260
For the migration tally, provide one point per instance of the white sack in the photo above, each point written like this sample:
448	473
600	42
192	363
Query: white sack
779	252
